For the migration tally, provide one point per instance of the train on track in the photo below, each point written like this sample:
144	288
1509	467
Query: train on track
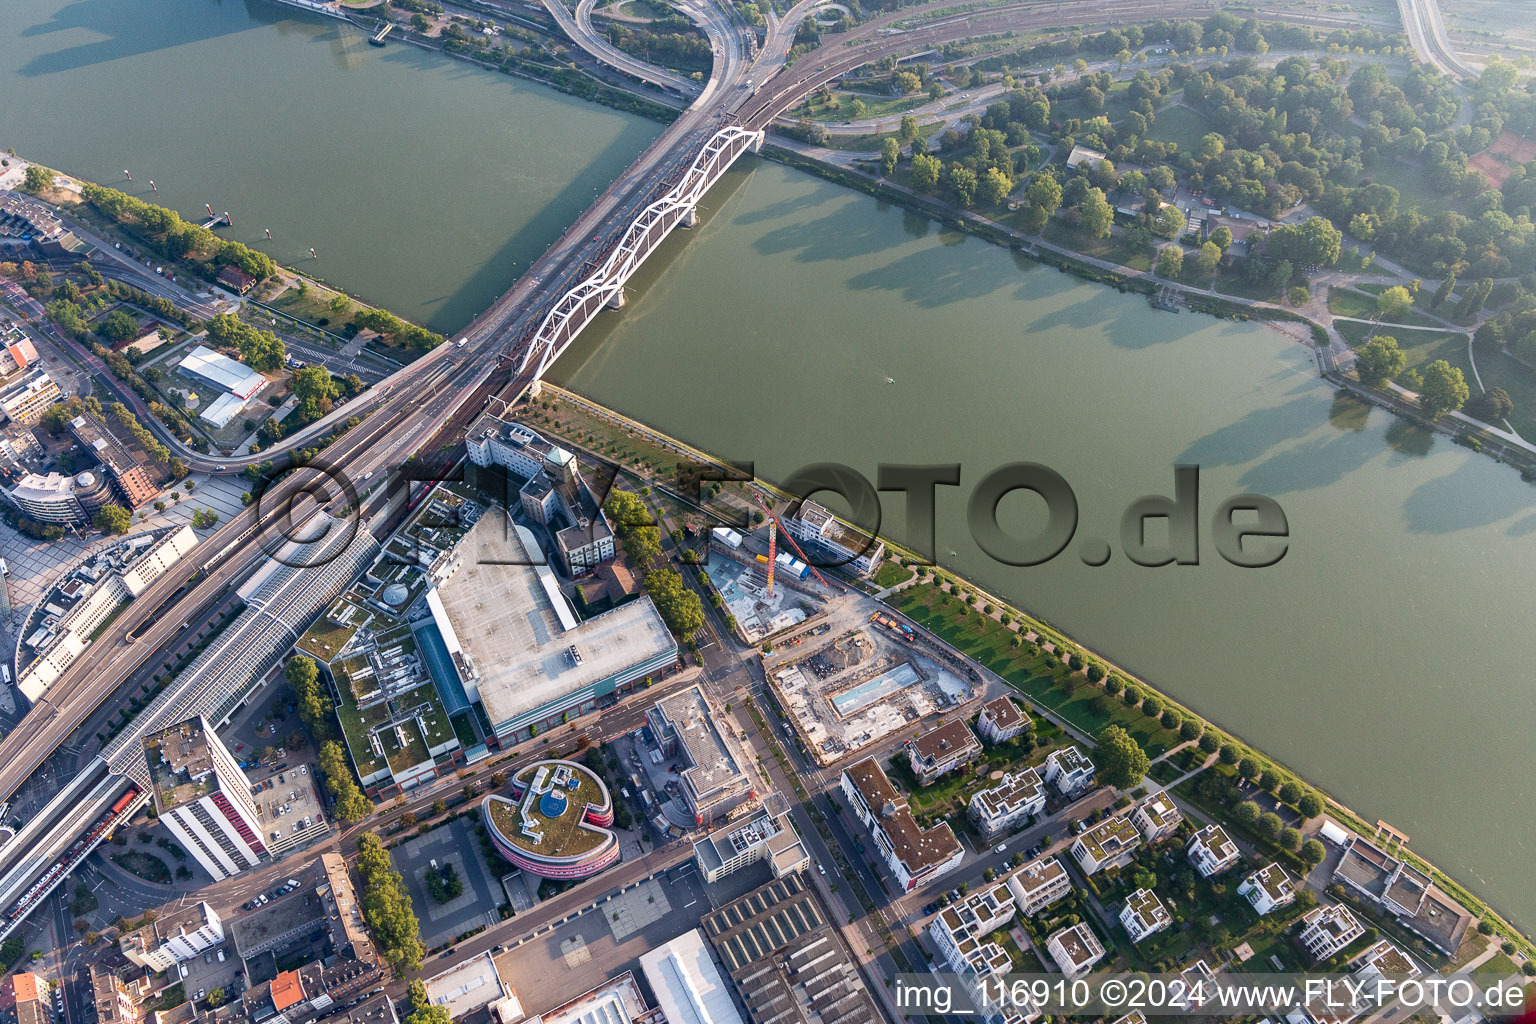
76	850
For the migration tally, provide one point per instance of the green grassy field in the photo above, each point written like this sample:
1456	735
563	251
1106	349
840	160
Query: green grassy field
1349	302
1500	370
1421	347
1182	125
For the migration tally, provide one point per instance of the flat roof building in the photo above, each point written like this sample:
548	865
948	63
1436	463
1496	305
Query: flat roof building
1007	805
129	479
1110	843
937	752
687	984
1069	770
1039	884
524	656
203	798
717	777
1156	816
467	986
180	935
767	834
1001	720
786	958
1212	851
1075	949
842	544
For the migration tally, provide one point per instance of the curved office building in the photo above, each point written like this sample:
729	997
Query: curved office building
556	822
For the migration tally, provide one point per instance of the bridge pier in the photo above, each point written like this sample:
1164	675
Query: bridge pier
618	301
690	218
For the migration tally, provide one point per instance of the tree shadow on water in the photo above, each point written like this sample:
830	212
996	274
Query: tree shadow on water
1464	500
122	25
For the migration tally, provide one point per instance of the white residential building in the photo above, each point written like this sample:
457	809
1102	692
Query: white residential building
960	931
161	945
1268	889
204	799
1156	817
1075	949
1212	851
1069	770
1327	930
914	854
1110	843
1144	915
838	543
1007	805
1001	720
1039	884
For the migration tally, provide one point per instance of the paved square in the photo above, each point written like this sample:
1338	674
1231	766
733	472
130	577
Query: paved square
457	844
639	907
575	951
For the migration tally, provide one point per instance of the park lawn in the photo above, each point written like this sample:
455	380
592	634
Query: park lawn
1412	184
1421	347
1230	282
1349	302
313	305
1183	125
1499	965
1059	232
1040	677
891	574
1499	369
840	106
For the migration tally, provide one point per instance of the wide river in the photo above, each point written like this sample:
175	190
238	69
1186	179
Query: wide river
1386	658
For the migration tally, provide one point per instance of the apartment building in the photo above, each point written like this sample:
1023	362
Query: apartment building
840	544
1016	798
913	854
1069	770
204	799
1156	817
1075	949
1144	914
1212	851
1268	889
940	751
1001	720
1039	884
1325	931
167	941
1110	843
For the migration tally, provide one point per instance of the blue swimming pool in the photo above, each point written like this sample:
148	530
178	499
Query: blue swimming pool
871	691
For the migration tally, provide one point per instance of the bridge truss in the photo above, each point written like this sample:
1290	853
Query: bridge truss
605	287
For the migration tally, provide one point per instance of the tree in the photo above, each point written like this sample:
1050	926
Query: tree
1393	303
1169	222
311	698
1044	195
1170	261
315	389
1222	238
117	326
908	130
1314	243
1096	213
1269	825
1310	805
387	909
1492	405
962	184
1208	258
925	172
1445	389
890	153
1122	762
1444	291
216	997
444	883
1246	813
351	804
1290	791
1190	729
1290	838
112	519
423	1010
993	187
37	179
1379	361
679	607
1248	768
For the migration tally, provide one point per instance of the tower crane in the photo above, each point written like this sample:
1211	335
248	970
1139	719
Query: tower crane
773	548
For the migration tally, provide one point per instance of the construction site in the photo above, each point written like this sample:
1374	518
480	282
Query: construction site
860	676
